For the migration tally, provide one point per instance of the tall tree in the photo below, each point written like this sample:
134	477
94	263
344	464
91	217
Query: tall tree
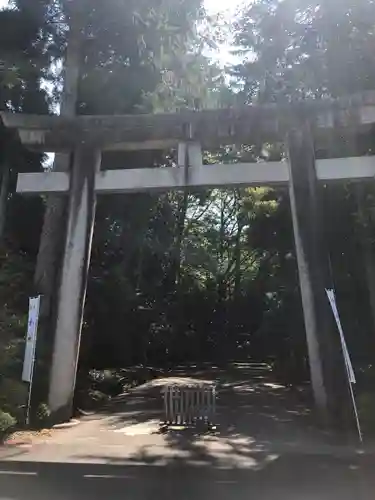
24	56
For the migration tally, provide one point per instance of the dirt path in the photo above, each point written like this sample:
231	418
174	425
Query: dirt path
266	445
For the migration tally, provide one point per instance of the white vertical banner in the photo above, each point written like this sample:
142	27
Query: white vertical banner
348	363
31	336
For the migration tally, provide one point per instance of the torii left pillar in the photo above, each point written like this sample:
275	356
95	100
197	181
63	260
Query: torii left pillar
73	281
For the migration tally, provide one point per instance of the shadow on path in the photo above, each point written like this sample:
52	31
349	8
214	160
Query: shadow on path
266	447
254	413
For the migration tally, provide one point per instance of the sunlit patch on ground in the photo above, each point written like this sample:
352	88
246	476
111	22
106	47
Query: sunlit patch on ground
141	429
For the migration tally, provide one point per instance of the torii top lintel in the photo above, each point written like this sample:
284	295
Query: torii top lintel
211	128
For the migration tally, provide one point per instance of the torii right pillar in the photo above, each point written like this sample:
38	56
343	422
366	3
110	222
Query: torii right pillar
327	368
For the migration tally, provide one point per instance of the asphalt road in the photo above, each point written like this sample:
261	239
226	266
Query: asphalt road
293	477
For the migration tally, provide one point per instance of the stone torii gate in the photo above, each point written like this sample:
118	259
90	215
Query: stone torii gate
300	126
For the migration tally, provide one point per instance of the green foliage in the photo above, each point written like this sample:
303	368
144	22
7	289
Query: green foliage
366	411
305	49
6	422
299	50
15	275
24	59
43	414
13	393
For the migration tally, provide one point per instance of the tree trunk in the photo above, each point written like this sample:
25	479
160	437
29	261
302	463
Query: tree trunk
367	246
52	238
220	319
237	271
53	227
4	191
220	277
174	274
182	209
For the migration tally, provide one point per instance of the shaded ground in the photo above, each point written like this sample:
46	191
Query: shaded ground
266	447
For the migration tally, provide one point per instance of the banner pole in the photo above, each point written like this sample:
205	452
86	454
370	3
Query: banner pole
30	349
348	364
30	386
